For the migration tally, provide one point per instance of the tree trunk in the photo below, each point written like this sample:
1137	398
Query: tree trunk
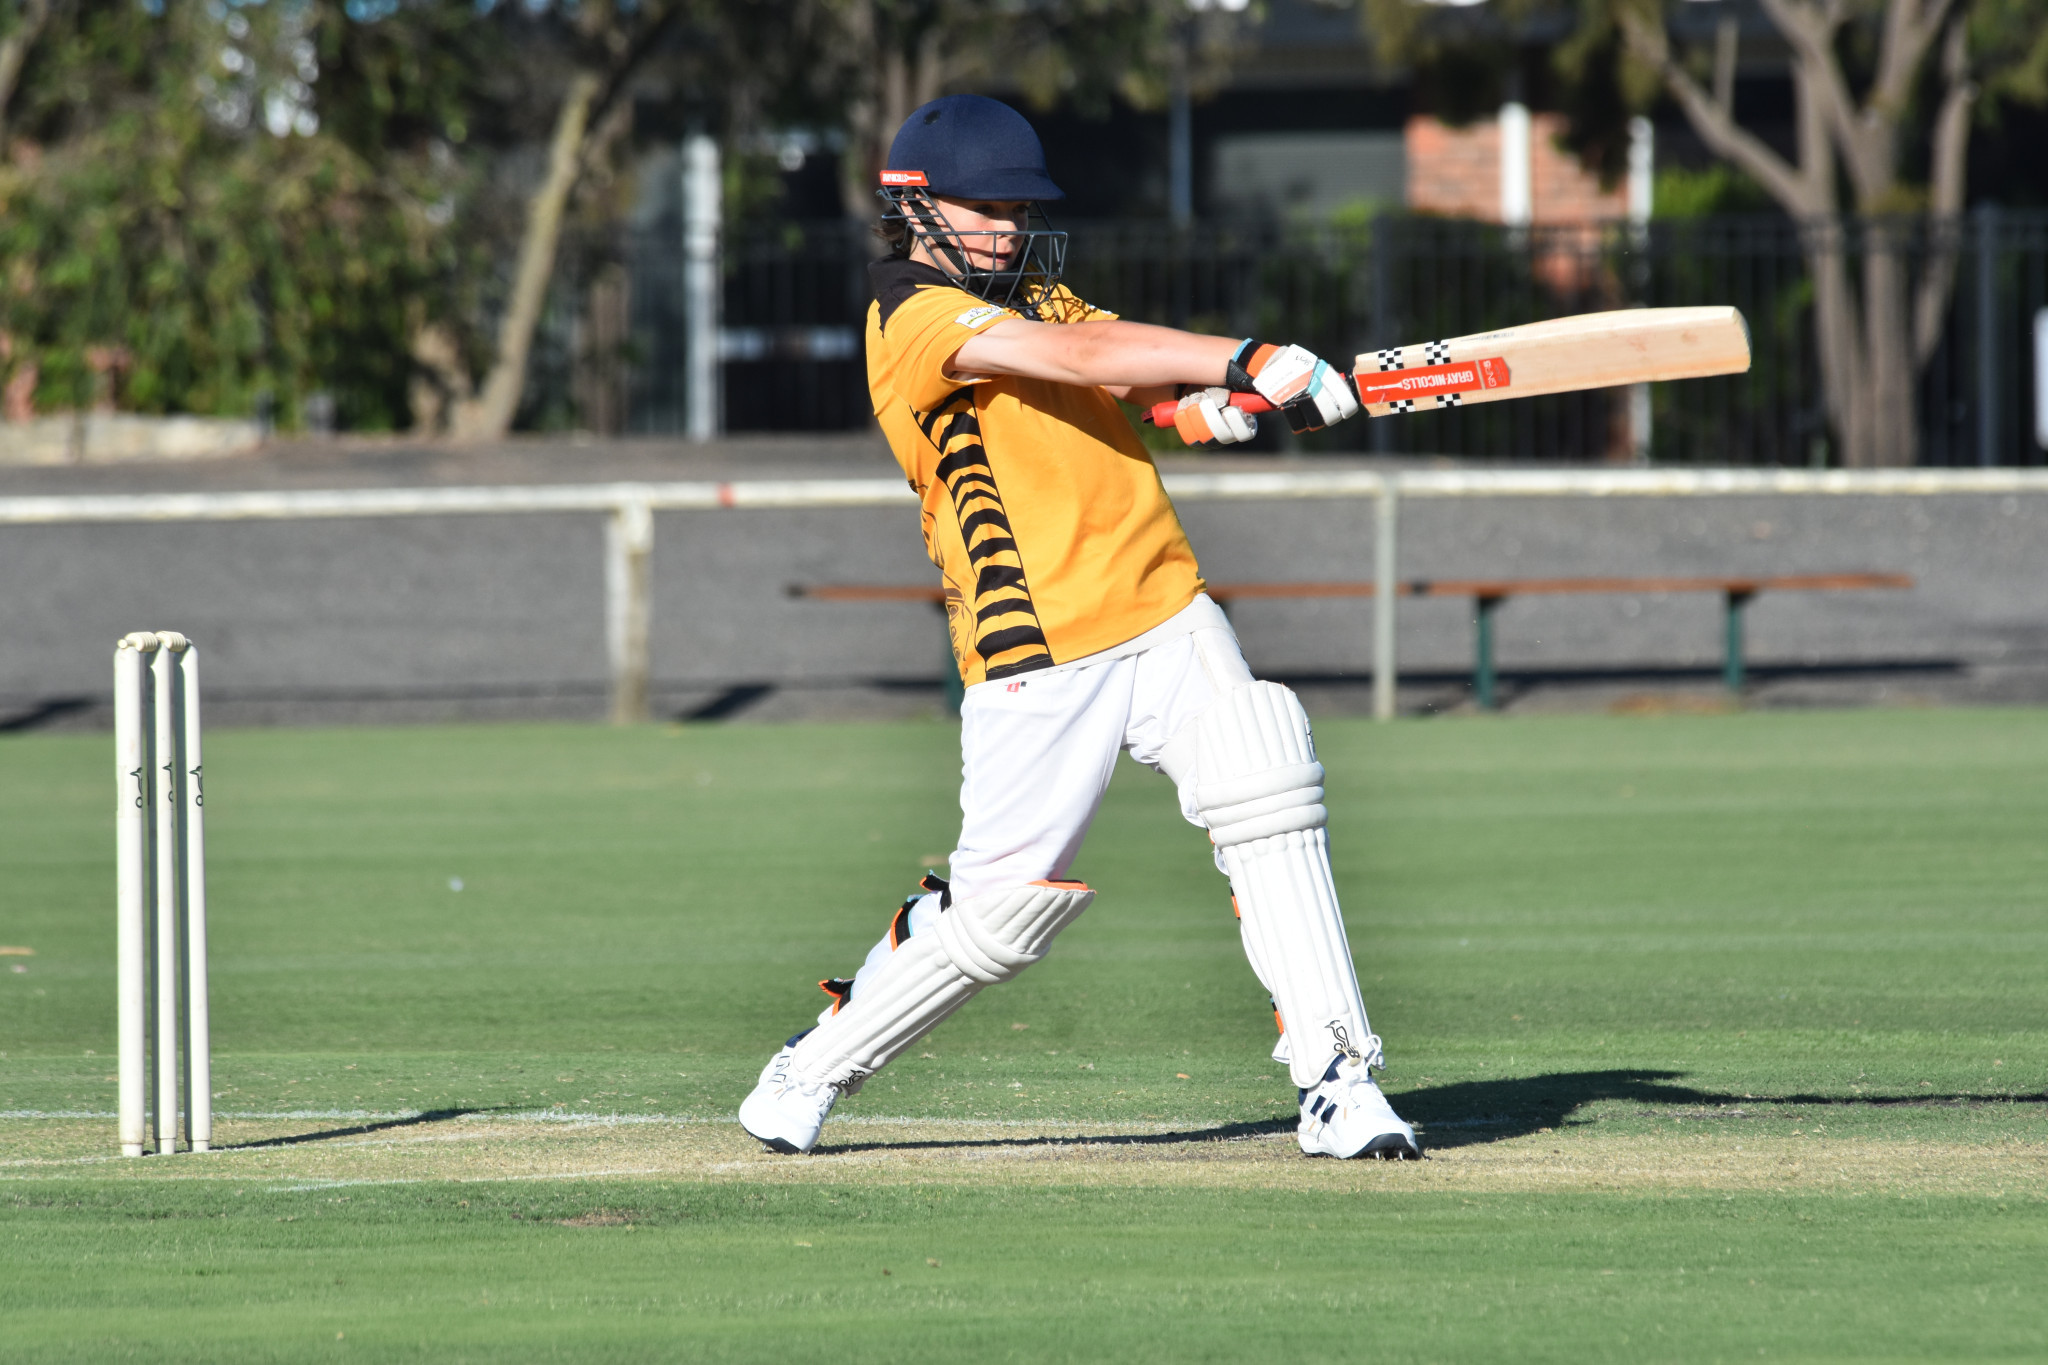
440	380
1837	335
1945	203
1873	328
856	167
907	83
14	49
895	82
1892	400
488	416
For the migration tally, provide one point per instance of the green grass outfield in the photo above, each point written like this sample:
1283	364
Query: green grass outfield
1728	1037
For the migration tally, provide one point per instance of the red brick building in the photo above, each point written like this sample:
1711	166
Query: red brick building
1457	172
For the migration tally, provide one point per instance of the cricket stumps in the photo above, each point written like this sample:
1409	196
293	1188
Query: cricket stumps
160	841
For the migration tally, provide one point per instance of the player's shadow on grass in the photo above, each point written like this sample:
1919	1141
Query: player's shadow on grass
1222	1132
353	1130
1456	1115
1465	1113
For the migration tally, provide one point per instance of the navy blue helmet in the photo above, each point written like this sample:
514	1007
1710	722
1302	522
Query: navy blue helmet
970	147
973	147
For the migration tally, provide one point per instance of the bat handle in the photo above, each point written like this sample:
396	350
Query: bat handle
1161	414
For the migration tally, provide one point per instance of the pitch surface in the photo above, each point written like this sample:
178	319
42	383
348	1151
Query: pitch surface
1724	1034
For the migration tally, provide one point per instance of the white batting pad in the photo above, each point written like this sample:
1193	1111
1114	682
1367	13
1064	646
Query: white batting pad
994	936
907	999
937	969
917	916
1260	791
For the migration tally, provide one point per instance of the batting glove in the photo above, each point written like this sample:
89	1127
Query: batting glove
1311	392
1205	418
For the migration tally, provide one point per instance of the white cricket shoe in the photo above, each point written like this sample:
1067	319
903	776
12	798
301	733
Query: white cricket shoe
1347	1116
785	1113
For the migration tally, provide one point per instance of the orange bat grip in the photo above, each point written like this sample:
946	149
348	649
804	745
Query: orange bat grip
1161	414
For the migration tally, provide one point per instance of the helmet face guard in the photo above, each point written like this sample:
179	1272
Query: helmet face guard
1022	280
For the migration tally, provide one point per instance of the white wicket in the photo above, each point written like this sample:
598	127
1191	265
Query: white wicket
160	841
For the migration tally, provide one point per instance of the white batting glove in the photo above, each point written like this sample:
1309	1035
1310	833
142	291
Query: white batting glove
1205	418
1311	392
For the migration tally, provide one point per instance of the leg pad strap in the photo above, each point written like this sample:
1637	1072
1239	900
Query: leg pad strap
1256	766
1258	805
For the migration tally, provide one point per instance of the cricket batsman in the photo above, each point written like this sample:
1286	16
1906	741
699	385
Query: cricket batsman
1081	628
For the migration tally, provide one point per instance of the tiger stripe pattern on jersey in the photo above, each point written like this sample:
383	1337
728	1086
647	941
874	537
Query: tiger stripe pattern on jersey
1005	625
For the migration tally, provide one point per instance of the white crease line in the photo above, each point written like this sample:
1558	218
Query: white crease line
244	1178
221	1114
584	1119
576	1116
463	1180
588	1119
64	1160
731	1121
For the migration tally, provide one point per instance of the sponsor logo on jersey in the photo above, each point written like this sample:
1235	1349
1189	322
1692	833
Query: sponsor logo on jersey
974	317
904	178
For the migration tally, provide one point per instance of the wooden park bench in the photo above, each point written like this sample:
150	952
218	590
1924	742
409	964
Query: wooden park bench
1486	593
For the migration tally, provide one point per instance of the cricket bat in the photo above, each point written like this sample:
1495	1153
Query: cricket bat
1590	351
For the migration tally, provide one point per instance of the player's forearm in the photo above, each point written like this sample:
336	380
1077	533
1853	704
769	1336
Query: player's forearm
1130	355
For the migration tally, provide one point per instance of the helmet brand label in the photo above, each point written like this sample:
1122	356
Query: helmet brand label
904	178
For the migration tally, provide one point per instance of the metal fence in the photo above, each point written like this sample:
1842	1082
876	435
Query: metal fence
795	296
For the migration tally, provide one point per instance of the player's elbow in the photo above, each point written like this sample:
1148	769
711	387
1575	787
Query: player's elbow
1083	352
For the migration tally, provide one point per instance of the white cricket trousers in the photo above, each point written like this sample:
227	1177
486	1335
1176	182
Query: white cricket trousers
1036	752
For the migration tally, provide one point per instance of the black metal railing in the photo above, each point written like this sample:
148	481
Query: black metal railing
795	299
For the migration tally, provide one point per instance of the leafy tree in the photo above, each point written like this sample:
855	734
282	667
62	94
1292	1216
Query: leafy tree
568	78
181	231
1887	93
1881	85
576	64
884	58
204	202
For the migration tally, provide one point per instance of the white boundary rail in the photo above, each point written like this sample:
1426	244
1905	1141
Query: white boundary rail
629	532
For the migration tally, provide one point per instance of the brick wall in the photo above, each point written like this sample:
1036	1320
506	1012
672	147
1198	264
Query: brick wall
1456	172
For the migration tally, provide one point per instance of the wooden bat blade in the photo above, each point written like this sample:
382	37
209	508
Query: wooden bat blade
1590	351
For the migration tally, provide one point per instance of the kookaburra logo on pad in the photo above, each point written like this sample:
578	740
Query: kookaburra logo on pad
1342	1037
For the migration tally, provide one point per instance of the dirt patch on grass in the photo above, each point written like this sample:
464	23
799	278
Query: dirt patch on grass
598	1218
298	1153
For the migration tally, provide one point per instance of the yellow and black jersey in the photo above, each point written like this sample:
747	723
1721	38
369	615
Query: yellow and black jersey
1043	512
